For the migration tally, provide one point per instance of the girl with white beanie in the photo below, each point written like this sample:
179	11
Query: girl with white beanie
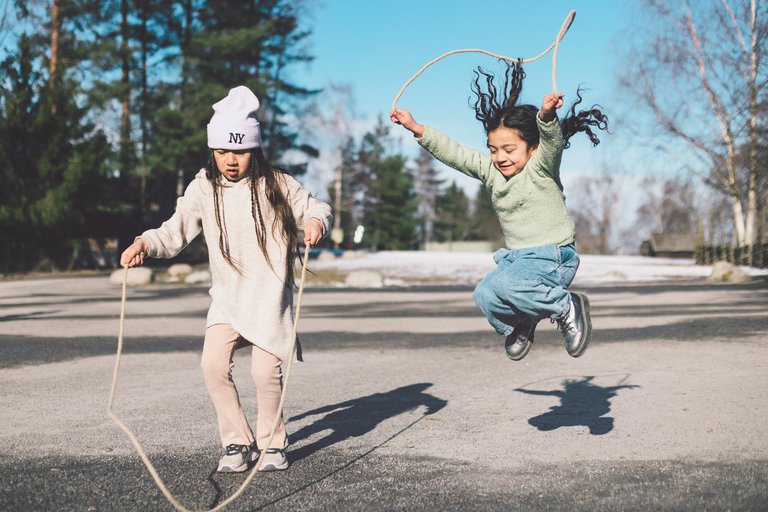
250	214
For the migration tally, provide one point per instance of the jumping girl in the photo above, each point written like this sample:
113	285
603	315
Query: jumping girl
250	214
534	272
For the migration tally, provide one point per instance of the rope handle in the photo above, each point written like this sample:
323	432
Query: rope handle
134	440
556	45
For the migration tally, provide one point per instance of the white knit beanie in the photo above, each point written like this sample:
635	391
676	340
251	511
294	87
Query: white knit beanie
234	124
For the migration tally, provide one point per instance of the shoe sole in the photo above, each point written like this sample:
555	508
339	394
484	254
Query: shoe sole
587	324
250	460
231	469
272	467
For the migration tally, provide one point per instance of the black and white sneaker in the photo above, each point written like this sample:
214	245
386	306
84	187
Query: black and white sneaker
274	460
237	458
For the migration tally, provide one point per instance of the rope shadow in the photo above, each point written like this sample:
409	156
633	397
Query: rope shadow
582	403
219	492
357	417
366	412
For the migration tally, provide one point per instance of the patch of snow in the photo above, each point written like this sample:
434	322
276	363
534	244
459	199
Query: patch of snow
411	267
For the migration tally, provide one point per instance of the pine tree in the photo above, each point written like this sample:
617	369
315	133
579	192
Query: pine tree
453	219
347	214
253	44
389	204
214	47
485	222
53	162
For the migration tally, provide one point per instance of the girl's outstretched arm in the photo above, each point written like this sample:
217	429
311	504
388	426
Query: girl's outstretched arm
470	162
403	117
546	161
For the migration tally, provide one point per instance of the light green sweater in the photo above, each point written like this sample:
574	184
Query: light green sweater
531	204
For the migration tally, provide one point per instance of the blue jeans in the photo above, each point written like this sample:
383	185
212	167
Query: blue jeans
527	284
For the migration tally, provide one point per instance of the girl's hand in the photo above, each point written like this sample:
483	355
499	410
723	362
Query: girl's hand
313	232
133	256
403	117
549	105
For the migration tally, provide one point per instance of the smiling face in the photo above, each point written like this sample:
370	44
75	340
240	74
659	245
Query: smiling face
509	152
233	165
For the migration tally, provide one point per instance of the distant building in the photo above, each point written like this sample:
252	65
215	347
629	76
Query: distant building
670	245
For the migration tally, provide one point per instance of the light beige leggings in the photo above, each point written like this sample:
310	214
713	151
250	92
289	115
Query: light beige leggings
221	340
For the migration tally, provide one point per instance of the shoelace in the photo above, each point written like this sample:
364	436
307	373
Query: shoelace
233	449
563	325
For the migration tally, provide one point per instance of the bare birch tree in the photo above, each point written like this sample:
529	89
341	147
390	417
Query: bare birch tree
599	207
699	69
428	186
5	11
333	118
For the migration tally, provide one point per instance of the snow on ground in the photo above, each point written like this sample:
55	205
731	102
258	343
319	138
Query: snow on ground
418	267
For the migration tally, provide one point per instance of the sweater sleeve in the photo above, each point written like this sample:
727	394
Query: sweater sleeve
177	232
468	161
546	161
304	206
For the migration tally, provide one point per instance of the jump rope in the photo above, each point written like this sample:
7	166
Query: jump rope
128	432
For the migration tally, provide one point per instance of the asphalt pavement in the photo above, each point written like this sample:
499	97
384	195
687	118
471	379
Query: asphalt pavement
405	401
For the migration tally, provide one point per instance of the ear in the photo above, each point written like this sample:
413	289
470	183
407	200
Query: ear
533	150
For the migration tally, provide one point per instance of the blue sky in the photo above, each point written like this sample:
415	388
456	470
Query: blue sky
375	47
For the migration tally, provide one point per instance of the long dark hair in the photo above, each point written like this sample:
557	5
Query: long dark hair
495	107
283	221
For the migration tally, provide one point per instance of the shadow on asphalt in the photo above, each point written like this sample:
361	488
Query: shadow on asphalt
359	416
582	403
726	326
148	293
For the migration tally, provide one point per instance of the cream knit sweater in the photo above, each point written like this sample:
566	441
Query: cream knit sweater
256	302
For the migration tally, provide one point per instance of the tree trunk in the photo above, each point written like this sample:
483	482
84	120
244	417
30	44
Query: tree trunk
125	99
54	60
186	40
144	12
753	166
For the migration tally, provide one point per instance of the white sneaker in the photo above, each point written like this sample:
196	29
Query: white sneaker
274	460
237	458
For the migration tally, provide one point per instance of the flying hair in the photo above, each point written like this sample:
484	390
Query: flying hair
498	105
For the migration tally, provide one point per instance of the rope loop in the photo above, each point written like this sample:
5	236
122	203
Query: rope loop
555	45
134	440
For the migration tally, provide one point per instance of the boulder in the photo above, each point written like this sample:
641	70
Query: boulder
724	272
364	279
615	275
136	276
179	269
198	277
326	256
350	255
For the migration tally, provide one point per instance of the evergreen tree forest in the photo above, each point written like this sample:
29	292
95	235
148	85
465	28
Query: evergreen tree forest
103	110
